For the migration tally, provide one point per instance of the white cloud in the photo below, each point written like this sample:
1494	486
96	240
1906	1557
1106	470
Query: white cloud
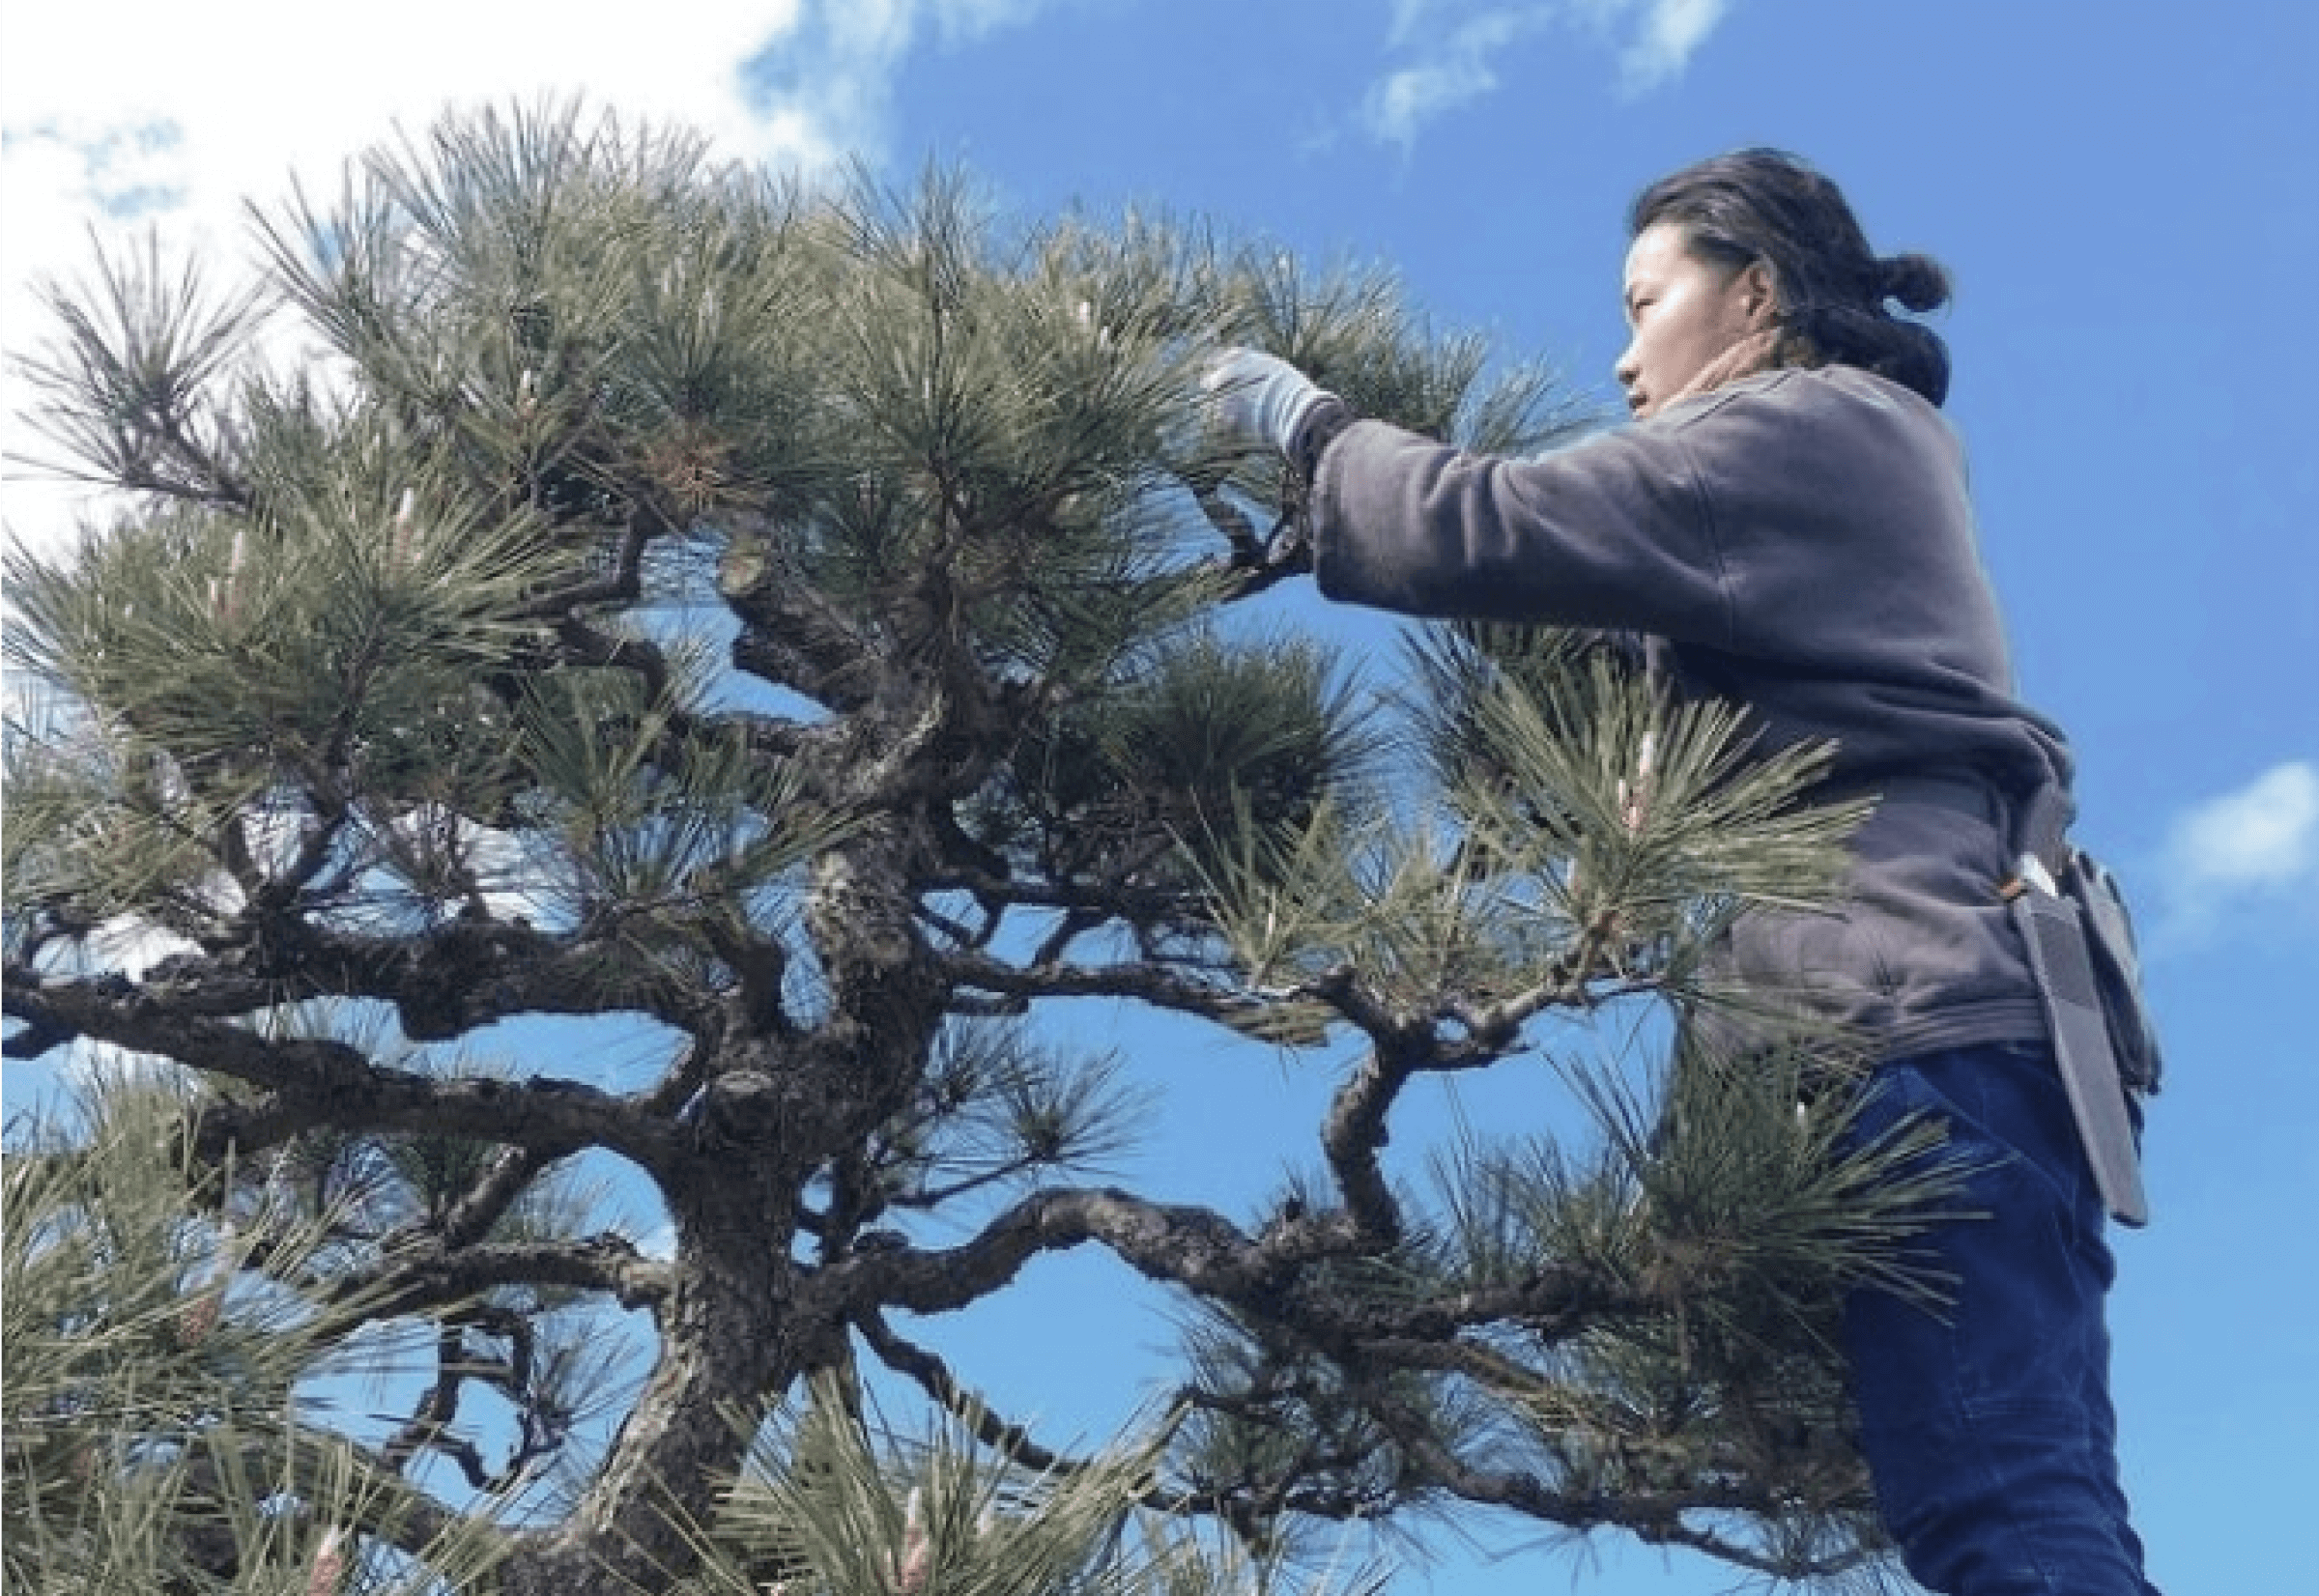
2229	855
133	946
1452	64
1407	15
829	79
1663	38
2263	837
121	111
1454	69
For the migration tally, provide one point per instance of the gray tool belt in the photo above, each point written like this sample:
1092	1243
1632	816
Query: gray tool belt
2072	921
2080	946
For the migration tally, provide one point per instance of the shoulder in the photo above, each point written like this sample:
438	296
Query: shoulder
1804	391
1776	419
1833	396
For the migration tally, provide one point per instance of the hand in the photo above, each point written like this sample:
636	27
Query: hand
1247	395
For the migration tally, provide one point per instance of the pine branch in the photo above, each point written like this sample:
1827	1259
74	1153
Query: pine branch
445	980
542	1432
1355	1131
318	1082
927	1370
506	1175
1656	1518
417	1280
1277	1277
1114	897
438	1407
1144	981
623	582
792	633
313	1468
123	390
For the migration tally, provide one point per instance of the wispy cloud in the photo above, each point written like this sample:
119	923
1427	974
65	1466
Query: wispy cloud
2262	837
826	82
1450	51
228	101
1407	17
2260	841
1656	38
1458	67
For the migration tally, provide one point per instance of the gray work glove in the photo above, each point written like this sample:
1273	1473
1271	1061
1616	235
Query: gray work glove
1250	396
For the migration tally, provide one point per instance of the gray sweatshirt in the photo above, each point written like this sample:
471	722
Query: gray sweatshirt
1801	542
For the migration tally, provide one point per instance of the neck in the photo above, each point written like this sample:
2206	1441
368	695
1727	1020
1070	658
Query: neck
1760	350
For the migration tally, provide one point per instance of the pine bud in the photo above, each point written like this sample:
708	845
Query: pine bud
329	1565
225	594
917	1549
400	547
199	1317
1634	803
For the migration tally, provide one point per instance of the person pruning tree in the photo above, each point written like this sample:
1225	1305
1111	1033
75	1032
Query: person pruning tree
1785	524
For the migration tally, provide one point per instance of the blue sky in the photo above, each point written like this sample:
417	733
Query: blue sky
2128	194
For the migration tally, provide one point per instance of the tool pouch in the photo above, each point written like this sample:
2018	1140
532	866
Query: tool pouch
2054	930
2117	969
2073	922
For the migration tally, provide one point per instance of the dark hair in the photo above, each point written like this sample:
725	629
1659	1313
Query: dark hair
1768	206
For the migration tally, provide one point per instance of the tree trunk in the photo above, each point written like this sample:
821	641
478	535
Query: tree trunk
732	1341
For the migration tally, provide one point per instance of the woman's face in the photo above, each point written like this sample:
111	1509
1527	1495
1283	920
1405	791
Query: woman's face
1682	313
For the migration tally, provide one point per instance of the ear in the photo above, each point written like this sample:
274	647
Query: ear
1759	294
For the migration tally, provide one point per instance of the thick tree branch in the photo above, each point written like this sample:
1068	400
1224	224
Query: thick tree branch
933	1377
1356	1130
792	633
443	982
583	644
1189	1247
1202	1251
1106	899
624	580
317	1081
422	1280
1656	1517
1144	982
506	1175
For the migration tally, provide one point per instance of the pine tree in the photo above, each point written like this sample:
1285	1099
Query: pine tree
802	626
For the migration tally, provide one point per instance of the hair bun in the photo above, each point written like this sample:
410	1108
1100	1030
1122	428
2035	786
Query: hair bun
1918	281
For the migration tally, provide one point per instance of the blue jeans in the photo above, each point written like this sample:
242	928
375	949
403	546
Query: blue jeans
1988	1422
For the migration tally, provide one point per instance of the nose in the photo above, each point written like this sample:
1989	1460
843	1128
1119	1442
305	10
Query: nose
1627	369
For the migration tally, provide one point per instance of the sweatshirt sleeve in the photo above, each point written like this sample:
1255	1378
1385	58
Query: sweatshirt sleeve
1614	532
